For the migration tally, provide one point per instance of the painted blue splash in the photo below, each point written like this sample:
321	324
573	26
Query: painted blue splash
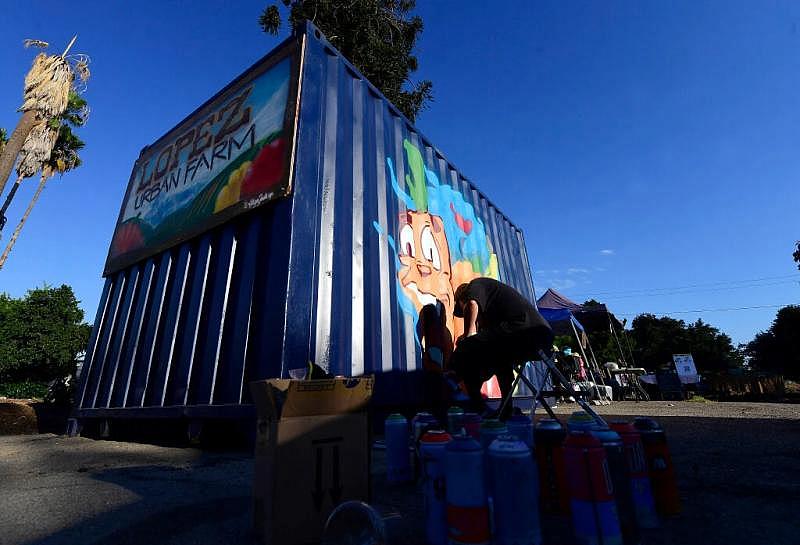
404	302
444	201
407	200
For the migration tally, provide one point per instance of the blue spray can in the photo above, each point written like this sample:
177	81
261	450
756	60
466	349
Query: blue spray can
491	429
521	427
467	508
454	417
594	512
640	480
580	420
621	481
398	460
516	509
432	448
421	423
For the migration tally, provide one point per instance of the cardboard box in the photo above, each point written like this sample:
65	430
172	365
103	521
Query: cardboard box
312	453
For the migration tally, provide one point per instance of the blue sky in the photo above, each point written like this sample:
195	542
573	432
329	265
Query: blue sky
640	145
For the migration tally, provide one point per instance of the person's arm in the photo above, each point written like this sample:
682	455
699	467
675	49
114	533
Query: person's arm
471	318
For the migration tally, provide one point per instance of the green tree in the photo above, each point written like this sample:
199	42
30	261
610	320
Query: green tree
377	36
3	138
778	348
39	147
41	335
657	339
605	345
63	158
45	94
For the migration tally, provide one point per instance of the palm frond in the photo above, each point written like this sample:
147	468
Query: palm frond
36	149
30	42
47	86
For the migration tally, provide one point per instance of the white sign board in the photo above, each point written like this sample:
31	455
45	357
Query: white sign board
684	365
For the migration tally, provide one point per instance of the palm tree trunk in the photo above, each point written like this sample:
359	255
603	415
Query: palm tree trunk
14	145
9	198
22	221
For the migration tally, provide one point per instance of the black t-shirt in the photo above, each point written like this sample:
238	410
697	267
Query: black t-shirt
502	307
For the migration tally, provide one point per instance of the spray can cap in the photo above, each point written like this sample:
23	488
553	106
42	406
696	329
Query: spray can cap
471	417
492	424
644	424
582	439
623	427
436	436
548	424
463	443
508	444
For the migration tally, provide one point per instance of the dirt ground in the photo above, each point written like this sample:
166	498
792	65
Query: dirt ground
738	466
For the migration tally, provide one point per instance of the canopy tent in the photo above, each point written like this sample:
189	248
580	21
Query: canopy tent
592	317
567	317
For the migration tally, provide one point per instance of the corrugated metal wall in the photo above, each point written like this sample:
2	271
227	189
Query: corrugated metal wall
195	324
347	307
309	278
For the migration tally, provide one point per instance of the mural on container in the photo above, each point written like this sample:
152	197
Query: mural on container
440	244
232	156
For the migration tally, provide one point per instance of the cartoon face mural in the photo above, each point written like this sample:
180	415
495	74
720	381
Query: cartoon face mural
441	244
425	261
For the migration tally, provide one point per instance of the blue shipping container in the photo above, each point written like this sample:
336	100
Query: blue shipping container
296	216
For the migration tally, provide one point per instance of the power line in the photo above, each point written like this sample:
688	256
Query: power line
793	277
704	290
702	310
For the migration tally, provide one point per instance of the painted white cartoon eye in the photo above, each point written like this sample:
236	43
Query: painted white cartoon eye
407	241
429	249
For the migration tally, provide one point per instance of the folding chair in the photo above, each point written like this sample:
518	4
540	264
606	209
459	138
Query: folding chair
552	371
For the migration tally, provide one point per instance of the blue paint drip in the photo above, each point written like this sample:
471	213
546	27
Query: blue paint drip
405	197
463	246
406	305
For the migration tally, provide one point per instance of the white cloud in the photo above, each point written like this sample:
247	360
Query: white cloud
562	284
607	252
577	270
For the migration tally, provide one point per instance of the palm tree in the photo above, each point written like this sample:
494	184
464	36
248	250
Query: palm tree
45	96
37	147
3	139
63	158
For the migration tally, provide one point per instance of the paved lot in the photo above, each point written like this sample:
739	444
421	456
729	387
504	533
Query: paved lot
739	470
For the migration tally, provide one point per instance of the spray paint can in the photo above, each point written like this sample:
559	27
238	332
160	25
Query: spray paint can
471	423
432	447
549	438
398	463
467	508
521	427
421	423
621	481
594	511
640	481
580	420
516	510
659	466
491	429
454	418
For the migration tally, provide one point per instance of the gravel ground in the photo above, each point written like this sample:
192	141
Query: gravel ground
738	466
696	409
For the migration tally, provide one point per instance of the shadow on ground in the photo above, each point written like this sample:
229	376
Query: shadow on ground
738	481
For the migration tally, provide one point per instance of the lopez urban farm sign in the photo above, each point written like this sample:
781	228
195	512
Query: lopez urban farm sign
232	154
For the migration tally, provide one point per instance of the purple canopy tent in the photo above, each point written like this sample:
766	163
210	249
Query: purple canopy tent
567	317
